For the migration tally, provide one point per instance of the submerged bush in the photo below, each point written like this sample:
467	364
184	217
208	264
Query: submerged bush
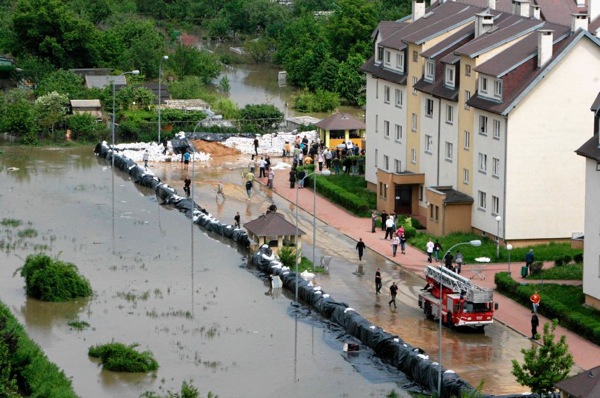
53	280
118	357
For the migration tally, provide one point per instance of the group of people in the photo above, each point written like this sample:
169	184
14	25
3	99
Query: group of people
393	288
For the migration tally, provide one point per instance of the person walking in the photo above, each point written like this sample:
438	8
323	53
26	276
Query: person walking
145	158
535	301
535	322
360	246
393	293
395	243
429	249
373	221
301	175
220	189
252	166
459	261
249	188
236	220
186	159
292	178
448	261
320	161
402	243
437	247
261	168
378	281
384	217
389	227
255	143
529	259
271	178
186	185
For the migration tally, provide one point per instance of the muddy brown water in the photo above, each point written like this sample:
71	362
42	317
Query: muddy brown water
213	323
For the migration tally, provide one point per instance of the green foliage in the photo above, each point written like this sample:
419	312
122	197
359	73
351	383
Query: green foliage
23	361
51	109
287	256
142	97
79	325
544	366
53	280
187	391
63	82
350	27
350	82
260	118
11	222
17	115
487	248
33	69
188	61
224	85
85	128
261	49
118	357
320	101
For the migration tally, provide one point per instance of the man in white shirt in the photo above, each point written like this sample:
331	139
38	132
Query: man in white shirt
389	227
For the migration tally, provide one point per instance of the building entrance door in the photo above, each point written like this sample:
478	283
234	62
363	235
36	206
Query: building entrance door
403	199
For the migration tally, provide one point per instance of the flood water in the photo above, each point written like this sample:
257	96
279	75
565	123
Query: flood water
161	283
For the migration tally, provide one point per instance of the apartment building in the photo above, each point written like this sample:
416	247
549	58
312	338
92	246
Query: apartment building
473	112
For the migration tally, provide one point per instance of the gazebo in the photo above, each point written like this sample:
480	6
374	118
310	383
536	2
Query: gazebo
341	128
273	226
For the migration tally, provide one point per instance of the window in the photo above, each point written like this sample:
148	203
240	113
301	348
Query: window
386	94
449	151
466	176
430	211
495	167
400	61
413	155
376	156
421	193
483	84
437	213
450	75
399	134
483	124
415	56
482	162
449	114
386	162
495	205
467	98
498	88
429	107
382	190
467	70
397	166
467	136
414	122
428	143
377	88
482	200
376	124
386	128
399	99
379	53
430	70
387	57
414	90
496	129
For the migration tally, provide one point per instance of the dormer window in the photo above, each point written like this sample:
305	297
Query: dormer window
498	88
450	73
400	61
379	53
430	70
490	87
483	85
388	57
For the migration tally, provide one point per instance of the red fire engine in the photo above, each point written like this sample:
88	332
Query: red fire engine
463	302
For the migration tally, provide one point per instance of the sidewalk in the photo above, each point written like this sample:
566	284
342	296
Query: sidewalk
513	315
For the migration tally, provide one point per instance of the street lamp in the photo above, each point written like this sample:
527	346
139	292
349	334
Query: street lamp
133	72
472	243
314	221
498	219
165	57
508	249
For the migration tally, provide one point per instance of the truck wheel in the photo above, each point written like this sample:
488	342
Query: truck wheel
449	321
427	309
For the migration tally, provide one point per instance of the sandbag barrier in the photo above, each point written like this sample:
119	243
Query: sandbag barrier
168	195
411	361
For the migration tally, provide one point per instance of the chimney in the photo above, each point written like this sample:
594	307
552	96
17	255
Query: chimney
545	42
521	8
594	9
484	22
579	21
418	8
492	4
536	12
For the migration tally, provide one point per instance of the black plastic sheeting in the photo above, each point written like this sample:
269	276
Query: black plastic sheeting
411	361
168	195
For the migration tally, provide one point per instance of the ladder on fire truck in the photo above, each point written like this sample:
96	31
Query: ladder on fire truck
458	284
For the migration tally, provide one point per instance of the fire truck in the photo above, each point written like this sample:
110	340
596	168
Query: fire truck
464	304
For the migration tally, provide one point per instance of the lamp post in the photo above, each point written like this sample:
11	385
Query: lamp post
508	249
164	57
314	222
498	219
133	72
472	243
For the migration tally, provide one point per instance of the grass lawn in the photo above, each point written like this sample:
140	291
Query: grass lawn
564	272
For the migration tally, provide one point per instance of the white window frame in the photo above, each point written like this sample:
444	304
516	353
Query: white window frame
386	94
386	162
377	88
467	98
483	122
481	200
376	124
400	61
496	167
386	128
483	85
429	107
399	98
376	156
413	155
415	56
399	132
467	70
388	58
397	166
414	82
495	205
450	74
466	176
428	143
429	70
496	129
498	88
414	122
379	53
467	140
449	114
482	163
449	151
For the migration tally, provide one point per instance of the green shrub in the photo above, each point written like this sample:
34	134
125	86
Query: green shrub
578	258
118	357
558	261
571	272
53	280
567	259
287	256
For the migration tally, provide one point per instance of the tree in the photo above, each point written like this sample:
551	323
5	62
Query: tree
350	27
350	82
17	116
188	61
544	366
51	109
261	117
63	82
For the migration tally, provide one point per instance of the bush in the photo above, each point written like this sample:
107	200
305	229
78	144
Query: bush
567	259
578	258
559	261
86	128
53	280
118	357
287	256
319	101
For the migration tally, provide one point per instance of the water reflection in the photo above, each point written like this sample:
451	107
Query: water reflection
44	315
